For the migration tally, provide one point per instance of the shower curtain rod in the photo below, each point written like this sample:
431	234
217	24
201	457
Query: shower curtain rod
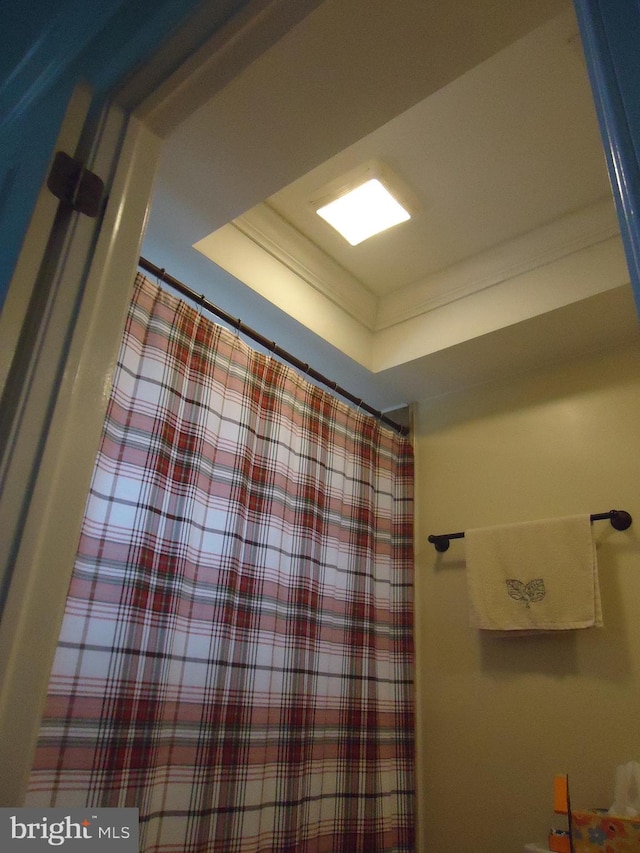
620	519
237	324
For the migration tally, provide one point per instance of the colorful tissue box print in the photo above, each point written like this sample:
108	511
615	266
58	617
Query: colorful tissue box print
596	831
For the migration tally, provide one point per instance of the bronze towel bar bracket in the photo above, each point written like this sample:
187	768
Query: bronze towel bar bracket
619	518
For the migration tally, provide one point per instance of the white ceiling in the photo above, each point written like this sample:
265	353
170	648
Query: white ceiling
513	258
474	155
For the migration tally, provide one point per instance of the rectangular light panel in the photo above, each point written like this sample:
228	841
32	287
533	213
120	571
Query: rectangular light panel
367	210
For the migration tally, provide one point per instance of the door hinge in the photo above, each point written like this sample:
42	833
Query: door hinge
74	185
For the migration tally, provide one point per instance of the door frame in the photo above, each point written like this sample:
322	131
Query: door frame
70	344
56	440
610	33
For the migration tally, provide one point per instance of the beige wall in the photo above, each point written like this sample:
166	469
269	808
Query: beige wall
498	717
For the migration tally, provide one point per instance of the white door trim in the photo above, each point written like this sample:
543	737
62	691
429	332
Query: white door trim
70	426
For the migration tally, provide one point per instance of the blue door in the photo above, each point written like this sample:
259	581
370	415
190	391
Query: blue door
49	46
610	32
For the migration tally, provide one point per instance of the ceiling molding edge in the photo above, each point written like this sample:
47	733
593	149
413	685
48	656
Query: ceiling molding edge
265	227
250	263
552	241
549	243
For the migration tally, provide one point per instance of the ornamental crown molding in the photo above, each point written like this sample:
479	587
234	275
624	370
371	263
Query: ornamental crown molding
266	229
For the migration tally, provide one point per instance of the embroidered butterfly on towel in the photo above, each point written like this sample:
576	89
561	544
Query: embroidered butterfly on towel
527	592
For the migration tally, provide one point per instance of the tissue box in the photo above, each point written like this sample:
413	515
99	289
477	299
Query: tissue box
596	831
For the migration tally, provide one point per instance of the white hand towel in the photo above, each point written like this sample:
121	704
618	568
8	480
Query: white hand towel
534	576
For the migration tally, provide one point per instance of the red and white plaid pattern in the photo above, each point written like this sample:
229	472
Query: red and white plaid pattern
236	654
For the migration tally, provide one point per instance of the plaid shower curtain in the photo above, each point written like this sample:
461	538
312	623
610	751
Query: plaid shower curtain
236	654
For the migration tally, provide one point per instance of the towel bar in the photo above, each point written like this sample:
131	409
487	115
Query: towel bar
619	518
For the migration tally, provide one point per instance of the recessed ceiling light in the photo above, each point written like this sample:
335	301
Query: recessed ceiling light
364	211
